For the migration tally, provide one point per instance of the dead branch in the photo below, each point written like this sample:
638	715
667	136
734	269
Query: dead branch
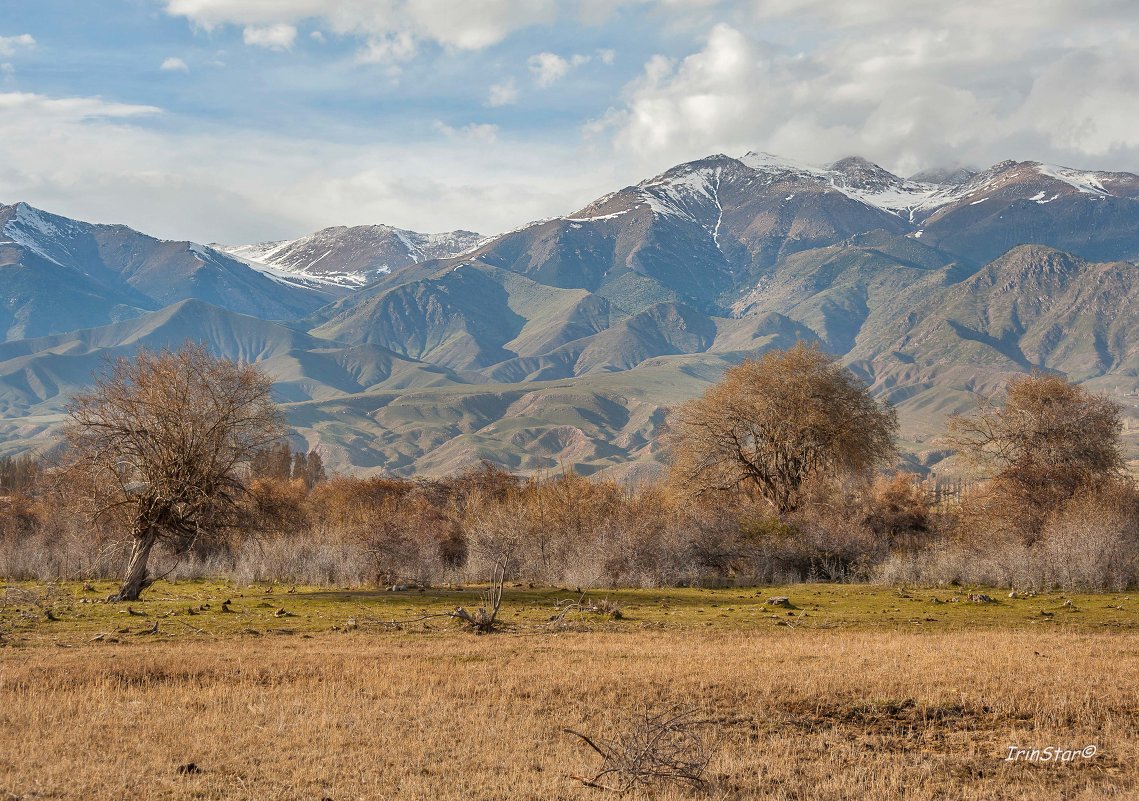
658	748
585	605
483	620
192	628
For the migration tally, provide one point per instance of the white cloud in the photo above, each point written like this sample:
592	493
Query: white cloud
10	45
503	94
475	24
478	132
174	64
907	84
210	183
549	68
279	36
468	25
607	56
391	49
69	109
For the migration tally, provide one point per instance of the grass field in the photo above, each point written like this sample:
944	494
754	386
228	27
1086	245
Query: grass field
855	692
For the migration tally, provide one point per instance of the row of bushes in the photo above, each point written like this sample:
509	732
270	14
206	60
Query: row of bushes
1090	544
573	531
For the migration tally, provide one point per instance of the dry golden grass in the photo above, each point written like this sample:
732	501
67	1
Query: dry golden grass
834	714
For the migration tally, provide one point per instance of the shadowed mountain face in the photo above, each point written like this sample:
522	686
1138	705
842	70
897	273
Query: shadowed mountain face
36	375
60	275
563	343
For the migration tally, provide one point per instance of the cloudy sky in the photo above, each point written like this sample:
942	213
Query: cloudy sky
246	120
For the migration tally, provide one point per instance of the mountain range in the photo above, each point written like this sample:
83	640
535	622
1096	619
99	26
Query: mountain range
564	342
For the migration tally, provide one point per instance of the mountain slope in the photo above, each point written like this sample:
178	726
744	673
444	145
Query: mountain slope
61	274
1091	214
1033	308
40	375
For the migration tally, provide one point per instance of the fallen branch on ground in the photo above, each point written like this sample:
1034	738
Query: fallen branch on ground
659	748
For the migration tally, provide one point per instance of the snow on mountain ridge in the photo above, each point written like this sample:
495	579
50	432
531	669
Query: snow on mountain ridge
33	229
1084	181
345	258
860	180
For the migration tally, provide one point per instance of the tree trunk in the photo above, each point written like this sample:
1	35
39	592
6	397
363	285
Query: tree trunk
137	578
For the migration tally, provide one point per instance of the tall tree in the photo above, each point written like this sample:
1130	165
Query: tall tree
163	443
316	472
776	422
1050	441
18	473
300	467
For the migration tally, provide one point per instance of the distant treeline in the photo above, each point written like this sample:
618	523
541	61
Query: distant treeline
282	463
18	473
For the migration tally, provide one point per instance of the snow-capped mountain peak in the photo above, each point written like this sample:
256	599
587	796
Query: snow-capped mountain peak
772	164
44	234
1088	182
861	180
346	258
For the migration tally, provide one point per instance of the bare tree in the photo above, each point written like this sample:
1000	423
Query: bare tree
774	423
1047	443
162	444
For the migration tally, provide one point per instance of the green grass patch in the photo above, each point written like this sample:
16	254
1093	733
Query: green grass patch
74	613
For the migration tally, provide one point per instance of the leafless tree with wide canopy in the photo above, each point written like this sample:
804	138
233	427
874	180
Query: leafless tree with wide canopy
1049	441
162	444
774	423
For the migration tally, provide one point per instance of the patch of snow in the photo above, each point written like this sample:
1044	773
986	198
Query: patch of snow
308	260
300	277
261	251
692	195
889	193
526	227
412	248
603	216
978	202
719	212
1087	182
318	258
905	197
295	277
771	164
201	252
31	229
